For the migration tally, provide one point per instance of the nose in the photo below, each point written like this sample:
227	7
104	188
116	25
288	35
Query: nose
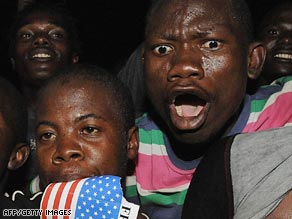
67	151
41	40
286	37
186	64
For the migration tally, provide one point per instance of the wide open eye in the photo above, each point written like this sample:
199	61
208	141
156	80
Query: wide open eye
162	49
211	45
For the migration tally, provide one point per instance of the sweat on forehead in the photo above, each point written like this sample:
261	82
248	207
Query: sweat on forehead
237	10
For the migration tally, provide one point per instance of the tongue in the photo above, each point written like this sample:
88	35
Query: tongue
190	110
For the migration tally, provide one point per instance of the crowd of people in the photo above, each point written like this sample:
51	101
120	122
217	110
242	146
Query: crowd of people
195	124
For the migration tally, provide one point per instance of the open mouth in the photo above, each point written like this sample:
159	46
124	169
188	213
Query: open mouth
189	105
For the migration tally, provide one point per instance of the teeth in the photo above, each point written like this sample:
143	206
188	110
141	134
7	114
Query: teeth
179	110
41	55
283	56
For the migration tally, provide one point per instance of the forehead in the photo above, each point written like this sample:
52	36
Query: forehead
82	92
283	13
93	90
42	17
200	14
77	97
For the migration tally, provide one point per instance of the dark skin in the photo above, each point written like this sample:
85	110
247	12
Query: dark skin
78	134
12	156
42	47
196	71
275	31
6	134
284	209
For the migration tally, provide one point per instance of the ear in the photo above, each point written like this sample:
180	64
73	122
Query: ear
75	58
133	143
18	156
257	55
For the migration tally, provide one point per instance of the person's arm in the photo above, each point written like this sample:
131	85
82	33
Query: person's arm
284	209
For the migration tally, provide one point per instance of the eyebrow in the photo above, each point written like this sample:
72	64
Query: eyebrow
80	118
48	123
91	115
170	37
197	34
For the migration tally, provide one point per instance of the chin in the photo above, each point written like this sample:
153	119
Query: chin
42	76
191	137
69	177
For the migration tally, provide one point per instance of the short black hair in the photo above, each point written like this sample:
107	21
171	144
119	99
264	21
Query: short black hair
14	110
122	99
240	13
68	22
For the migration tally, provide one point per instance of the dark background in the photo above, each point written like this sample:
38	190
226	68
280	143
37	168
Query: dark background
110	29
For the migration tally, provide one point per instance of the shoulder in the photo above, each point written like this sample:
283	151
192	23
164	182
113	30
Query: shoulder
144	121
28	202
211	186
271	106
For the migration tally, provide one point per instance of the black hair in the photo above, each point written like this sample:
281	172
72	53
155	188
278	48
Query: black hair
132	74
67	21
240	12
122	99
14	110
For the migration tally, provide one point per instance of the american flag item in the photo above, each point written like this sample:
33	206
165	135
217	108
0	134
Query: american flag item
99	197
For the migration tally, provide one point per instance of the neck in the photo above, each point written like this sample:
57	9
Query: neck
188	152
